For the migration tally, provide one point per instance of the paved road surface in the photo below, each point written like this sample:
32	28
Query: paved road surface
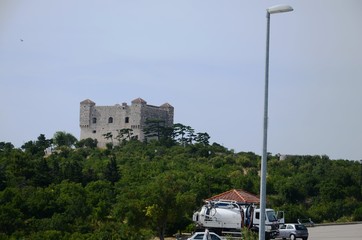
348	232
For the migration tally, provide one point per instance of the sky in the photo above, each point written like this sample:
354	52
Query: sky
204	57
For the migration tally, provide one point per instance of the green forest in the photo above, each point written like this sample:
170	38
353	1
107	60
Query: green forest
141	190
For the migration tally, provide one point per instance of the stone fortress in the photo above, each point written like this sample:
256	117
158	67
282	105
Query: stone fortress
96	121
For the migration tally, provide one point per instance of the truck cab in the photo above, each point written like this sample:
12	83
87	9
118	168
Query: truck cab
272	222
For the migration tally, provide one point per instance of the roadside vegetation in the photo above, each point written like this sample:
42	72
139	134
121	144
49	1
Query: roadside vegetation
139	190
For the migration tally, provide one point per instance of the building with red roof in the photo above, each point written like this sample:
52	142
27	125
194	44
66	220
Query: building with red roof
237	195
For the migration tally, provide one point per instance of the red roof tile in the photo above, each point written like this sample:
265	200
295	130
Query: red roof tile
236	195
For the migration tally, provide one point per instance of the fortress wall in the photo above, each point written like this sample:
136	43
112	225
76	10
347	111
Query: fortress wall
95	120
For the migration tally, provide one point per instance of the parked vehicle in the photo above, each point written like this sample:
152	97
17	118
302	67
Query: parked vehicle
225	217
293	231
201	236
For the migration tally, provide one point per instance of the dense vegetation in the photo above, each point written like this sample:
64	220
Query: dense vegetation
136	190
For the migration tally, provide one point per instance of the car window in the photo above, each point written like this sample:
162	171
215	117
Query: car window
199	236
290	227
282	227
213	237
300	227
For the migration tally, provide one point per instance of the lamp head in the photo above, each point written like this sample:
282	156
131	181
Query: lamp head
279	9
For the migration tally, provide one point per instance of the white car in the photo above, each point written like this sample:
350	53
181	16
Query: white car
200	236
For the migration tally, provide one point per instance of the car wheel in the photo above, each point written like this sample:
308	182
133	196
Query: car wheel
292	237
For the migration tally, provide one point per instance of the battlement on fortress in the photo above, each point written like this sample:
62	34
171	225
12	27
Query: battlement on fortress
96	121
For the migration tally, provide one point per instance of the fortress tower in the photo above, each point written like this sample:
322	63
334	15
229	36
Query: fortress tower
95	121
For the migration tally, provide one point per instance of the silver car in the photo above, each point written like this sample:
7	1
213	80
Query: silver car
293	231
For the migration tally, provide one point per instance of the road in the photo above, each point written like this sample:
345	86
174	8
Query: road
347	231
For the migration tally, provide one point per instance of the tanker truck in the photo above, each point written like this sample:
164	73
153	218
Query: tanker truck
229	217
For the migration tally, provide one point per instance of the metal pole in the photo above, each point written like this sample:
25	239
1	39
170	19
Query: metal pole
265	137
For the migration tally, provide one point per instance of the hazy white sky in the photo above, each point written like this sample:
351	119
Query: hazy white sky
204	57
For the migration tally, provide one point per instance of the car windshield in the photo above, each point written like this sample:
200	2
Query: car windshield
300	227
271	216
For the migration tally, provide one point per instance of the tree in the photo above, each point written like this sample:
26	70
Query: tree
108	136
72	170
6	147
20	168
202	138
168	199
64	139
154	128
37	147
42	142
190	134
40	202
184	134
42	173
180	132
111	172
10	219
71	201
101	197
87	143
11	216
2	178
124	134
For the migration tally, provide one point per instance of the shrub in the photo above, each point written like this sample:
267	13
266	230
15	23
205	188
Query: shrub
357	215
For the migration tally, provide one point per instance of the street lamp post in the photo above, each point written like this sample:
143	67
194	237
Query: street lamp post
271	10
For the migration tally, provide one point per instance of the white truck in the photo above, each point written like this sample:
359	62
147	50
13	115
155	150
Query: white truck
228	217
